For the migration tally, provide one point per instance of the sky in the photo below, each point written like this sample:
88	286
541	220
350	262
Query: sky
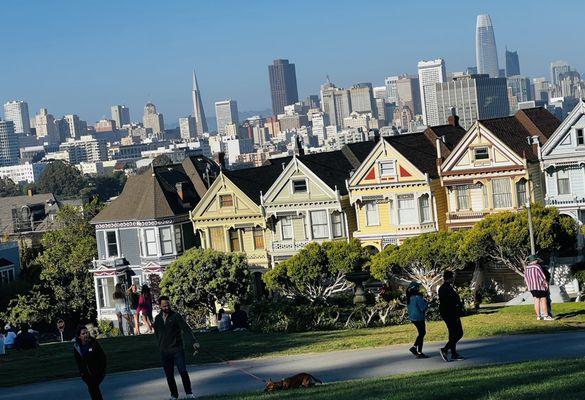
81	57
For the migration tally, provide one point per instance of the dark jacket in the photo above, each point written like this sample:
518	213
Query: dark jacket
450	305
92	365
168	333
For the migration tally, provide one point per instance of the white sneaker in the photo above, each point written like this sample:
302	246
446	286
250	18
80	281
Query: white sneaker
547	318
173	398
538	318
190	396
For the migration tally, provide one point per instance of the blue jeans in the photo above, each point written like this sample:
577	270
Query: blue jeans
169	361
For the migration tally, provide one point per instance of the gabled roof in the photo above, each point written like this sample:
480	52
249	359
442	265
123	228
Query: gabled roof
450	135
357	153
563	128
418	149
253	181
332	167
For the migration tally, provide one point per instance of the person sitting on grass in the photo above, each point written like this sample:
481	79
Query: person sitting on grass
26	338
239	318
10	337
417	308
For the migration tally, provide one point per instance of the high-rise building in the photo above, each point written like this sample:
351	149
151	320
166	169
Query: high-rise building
390	83
429	73
408	93
473	97
541	88
283	85
486	54
45	127
9	145
512	63
362	98
336	103
187	128
121	114
85	149
556	69
521	88
153	120
226	112
75	126
17	112
198	112
380	92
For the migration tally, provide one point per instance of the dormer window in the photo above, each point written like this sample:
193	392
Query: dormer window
481	153
226	200
387	168
580	137
299	186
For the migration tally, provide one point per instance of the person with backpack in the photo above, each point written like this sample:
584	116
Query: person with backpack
91	361
451	309
417	308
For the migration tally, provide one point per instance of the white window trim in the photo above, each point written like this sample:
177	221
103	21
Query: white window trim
414	208
577	136
173	244
393	162
377	212
474	149
569	193
292	185
329	235
342	230
117	233
291	226
145	244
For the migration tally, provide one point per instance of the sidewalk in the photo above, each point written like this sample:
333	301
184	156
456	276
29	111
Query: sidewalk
213	379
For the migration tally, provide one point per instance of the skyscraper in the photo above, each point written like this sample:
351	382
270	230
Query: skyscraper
408	93
198	112
17	112
121	114
187	128
46	128
512	63
153	120
429	73
9	153
556	69
362	98
336	103
486	54
283	85
75	126
390	83
226	112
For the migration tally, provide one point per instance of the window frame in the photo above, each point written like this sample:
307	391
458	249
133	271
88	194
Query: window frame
7	275
381	168
580	136
566	184
426	207
164	241
324	223
337	224
467	196
522	193
108	244
502	195
225	204
403	217
289	224
299	180
234	237
179	245
374	208
487	153
146	242
258	233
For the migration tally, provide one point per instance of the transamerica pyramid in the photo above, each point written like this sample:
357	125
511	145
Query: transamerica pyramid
198	113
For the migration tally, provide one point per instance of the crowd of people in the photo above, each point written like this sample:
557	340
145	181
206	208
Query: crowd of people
132	307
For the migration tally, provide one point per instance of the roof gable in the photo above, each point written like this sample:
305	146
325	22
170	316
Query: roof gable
561	140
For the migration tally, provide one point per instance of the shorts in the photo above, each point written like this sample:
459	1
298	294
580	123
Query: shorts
121	309
539	294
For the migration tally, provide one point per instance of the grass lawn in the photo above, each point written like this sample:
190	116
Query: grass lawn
550	379
54	361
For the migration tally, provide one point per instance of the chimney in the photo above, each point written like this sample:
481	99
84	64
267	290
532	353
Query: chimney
453	119
179	188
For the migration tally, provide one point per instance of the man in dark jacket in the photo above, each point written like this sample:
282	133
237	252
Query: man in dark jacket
169	327
451	309
91	361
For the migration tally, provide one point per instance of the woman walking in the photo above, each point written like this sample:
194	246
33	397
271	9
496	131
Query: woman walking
145	307
133	298
91	361
417	308
122	310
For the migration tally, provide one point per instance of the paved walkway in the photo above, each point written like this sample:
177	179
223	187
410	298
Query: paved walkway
335	366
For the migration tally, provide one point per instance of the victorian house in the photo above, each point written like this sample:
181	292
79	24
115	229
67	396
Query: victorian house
147	226
495	166
396	191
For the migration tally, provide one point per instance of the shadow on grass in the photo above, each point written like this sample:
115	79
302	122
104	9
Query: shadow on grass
569	314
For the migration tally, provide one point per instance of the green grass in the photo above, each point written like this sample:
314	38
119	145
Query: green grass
550	379
55	361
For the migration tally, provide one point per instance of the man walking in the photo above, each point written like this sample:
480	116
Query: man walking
169	327
451	309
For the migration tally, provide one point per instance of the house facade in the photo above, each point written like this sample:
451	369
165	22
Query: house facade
495	166
147	226
396	191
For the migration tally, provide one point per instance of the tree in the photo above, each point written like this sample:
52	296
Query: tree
61	179
503	238
107	186
317	272
32	308
201	278
422	258
8	188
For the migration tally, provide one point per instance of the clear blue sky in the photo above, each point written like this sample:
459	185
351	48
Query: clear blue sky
84	56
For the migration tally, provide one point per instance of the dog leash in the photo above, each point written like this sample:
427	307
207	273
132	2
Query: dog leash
230	364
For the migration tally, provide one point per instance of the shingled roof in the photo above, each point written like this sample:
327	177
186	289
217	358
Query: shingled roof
357	153
418	149
253	181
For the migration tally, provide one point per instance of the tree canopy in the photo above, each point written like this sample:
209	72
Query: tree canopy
61	179
8	188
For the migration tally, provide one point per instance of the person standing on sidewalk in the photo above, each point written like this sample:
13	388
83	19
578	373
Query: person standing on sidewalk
417	308
91	361
537	284
169	328
451	309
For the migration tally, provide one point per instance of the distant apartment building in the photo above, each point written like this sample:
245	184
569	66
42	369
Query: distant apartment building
17	112
226	112
106	125
23	173
391	89
121	114
430	73
46	128
9	144
153	121
283	85
74	125
336	103
362	98
85	149
556	69
408	92
187	128
236	147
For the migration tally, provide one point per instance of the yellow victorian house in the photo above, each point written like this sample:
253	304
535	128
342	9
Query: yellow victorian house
396	191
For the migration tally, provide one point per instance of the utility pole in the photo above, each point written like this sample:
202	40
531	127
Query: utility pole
530	228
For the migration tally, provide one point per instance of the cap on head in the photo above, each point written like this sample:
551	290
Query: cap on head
533	258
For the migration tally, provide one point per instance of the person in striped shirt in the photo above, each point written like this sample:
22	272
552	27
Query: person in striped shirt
538	286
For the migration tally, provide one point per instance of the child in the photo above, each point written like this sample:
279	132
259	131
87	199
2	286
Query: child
417	307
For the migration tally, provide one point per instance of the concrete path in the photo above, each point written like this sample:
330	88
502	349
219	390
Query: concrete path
335	366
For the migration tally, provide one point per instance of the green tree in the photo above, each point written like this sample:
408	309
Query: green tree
61	179
201	278
422	258
32	308
317	272
107	186
8	188
503	238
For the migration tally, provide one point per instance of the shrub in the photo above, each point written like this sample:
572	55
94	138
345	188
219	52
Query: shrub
107	329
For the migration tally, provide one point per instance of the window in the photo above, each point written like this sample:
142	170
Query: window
111	244
217	238
178	239
6	275
226	200
258	238
563	184
105	291
166	240
299	186
150	242
336	224
135	280
580	137
501	193
425	208
406	209
481	153
319	225
387	168
463	201
234	239
372	217
287	228
521	191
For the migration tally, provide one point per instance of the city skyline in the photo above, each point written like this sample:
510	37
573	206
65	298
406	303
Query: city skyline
63	87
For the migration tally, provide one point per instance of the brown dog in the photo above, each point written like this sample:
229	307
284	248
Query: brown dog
296	381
